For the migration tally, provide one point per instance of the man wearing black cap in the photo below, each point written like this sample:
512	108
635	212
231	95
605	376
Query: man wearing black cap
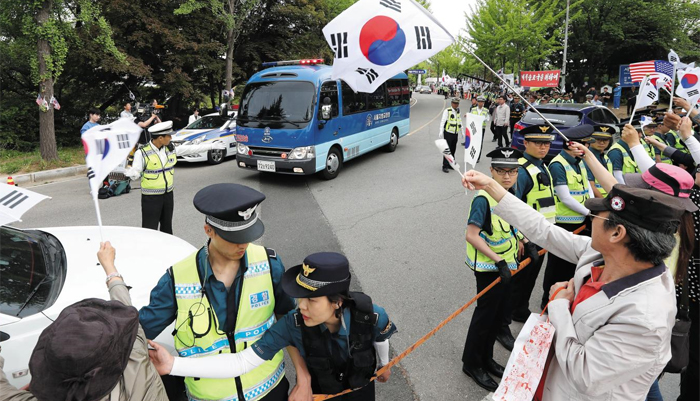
492	251
613	324
450	128
154	164
535	189
571	190
602	135
225	296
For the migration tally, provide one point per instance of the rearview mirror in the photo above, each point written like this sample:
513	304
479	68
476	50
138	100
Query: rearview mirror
326	111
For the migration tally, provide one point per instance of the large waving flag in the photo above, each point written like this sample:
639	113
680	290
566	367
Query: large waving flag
15	201
374	40
655	69
472	138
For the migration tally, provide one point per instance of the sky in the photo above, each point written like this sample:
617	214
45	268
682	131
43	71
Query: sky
450	13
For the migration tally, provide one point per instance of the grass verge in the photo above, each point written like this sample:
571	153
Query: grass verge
16	162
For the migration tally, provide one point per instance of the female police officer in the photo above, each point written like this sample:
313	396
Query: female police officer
336	332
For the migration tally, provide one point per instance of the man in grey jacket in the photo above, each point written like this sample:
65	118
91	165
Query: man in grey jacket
613	324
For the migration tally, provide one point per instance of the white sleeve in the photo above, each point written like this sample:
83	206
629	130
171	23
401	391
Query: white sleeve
184	150
644	161
382	351
134	172
694	148
562	191
619	177
222	366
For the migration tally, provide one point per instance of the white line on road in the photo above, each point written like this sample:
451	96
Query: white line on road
436	116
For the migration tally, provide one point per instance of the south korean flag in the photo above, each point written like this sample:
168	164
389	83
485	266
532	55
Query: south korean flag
373	40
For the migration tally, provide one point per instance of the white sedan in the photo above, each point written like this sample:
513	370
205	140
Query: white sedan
43	271
212	127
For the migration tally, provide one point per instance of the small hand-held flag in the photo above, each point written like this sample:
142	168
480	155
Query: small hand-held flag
689	85
373	40
473	138
648	94
15	201
445	150
644	121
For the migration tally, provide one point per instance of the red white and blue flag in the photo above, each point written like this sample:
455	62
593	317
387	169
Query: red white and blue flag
689	85
655	69
472	138
373	40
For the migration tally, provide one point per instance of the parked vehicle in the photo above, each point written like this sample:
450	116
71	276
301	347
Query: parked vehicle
211	127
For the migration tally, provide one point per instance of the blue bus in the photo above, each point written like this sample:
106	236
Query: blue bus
294	119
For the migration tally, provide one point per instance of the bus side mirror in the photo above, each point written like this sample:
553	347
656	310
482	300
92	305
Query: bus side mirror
326	108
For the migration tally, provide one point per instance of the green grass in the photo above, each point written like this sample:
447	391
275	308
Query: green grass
16	162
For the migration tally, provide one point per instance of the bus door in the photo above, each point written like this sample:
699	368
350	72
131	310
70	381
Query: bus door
329	121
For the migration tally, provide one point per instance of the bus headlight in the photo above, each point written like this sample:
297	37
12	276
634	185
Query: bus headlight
304	152
242	149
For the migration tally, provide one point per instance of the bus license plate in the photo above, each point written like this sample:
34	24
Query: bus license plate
266	166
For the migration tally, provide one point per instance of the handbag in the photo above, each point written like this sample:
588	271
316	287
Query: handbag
680	340
528	359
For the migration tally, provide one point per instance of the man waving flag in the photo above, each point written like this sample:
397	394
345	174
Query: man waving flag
374	40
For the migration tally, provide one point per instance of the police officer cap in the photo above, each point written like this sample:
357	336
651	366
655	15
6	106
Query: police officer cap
602	131
233	210
505	157
589	96
480	99
455	100
580	133
648	209
538	133
164	128
321	274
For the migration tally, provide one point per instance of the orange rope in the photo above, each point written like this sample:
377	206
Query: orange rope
322	397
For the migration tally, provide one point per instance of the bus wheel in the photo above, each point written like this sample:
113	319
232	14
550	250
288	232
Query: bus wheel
393	141
334	163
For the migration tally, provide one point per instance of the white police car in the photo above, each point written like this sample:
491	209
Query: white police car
43	271
208	129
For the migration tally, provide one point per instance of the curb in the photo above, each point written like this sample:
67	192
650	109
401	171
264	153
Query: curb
48	175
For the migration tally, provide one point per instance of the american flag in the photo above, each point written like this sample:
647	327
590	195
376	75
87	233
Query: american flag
655	68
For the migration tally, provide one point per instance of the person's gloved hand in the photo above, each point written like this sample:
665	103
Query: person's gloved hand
441	135
503	271
531	252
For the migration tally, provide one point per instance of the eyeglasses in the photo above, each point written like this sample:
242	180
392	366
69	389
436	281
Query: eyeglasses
540	144
593	214
503	173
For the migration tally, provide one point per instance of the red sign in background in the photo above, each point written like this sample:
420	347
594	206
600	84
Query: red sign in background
539	79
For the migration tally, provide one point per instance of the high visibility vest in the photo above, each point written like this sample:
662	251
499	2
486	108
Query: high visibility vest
197	328
608	165
483	113
628	165
157	179
651	151
567	101
502	241
540	197
453	125
577	188
679	143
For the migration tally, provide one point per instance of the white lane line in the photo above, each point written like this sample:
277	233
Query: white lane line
433	119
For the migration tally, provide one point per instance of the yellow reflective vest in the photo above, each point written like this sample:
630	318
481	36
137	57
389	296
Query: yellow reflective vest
541	196
157	179
502	240
197	328
628	165
605	162
651	150
453	125
577	188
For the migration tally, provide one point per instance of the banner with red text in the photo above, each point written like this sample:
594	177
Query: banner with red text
539	79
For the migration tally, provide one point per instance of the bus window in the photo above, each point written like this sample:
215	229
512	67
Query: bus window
280	104
329	90
405	92
377	99
394	92
353	102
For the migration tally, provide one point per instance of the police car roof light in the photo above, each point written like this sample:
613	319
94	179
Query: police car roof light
308	61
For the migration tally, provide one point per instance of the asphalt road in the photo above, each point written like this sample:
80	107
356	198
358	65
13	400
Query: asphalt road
397	217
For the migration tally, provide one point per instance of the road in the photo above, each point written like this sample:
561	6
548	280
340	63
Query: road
397	217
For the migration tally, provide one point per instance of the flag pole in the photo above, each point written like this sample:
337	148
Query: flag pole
99	216
519	95
644	84
673	83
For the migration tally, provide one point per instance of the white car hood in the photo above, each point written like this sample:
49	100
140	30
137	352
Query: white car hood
142	257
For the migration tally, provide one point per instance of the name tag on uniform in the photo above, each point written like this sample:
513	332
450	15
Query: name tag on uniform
259	299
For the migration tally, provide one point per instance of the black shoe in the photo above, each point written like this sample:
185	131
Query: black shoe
506	340
445	170
481	377
521	315
493	140
494	368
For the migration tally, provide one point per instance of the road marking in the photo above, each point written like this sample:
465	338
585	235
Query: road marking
414	101
436	116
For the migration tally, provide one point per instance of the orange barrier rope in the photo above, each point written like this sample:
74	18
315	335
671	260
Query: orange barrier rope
398	358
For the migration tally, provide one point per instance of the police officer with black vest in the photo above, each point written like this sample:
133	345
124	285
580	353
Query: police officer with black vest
342	335
224	296
450	128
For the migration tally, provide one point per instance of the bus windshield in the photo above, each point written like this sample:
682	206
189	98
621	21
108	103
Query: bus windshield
280	104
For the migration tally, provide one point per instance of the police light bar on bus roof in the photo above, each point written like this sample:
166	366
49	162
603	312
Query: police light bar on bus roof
306	61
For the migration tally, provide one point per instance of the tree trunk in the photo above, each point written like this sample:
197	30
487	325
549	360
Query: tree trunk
229	58
47	135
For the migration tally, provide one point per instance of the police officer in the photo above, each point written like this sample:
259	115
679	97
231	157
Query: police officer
622	160
571	189
567	99
589	99
534	188
555	98
154	164
450	128
492	251
602	134
482	111
657	131
225	296
342	335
